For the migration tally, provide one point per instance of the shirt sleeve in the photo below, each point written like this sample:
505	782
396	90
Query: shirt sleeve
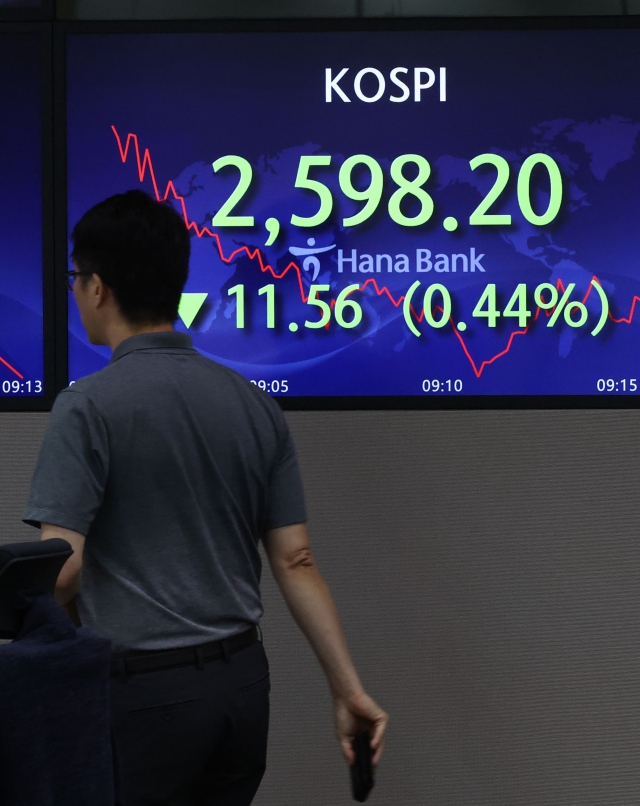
69	481
286	493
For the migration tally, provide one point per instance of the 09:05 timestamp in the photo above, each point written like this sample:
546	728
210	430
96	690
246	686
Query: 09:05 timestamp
275	387
21	387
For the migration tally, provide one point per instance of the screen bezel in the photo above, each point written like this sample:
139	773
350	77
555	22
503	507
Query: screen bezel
45	11
336	403
49	328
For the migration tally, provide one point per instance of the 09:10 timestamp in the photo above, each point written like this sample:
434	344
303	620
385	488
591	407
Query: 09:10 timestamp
442	386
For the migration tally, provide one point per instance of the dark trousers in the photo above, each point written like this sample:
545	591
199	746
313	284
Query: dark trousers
193	736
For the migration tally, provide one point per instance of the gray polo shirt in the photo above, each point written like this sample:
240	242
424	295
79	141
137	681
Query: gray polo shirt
173	467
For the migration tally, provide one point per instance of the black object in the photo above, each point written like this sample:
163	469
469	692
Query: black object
153	660
55	741
26	568
362	768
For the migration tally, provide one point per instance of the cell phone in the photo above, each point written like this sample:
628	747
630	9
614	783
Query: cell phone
362	768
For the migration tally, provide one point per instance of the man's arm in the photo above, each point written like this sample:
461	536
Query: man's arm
309	600
68	582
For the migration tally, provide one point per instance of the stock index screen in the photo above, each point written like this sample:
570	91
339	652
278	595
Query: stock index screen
21	219
414	214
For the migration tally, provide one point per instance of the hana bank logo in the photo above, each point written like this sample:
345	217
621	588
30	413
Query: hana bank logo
311	261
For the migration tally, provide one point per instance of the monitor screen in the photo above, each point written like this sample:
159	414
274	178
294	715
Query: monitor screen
417	215
21	220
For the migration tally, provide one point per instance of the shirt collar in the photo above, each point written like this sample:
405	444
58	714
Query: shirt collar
169	340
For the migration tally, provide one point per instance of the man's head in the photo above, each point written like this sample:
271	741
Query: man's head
132	253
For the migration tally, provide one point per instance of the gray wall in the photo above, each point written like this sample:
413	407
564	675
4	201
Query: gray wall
486	568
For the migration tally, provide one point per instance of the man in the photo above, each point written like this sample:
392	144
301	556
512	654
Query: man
164	471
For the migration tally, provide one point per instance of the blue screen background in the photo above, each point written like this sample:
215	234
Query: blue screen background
190	99
21	326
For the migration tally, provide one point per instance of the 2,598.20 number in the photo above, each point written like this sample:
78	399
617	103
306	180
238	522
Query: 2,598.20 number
407	184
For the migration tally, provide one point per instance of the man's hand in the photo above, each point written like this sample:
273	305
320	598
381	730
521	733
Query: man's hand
69	578
308	598
354	716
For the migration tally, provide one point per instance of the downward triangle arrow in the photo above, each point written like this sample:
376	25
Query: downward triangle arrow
189	306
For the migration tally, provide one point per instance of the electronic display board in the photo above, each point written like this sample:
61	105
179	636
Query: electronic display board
440	217
25	244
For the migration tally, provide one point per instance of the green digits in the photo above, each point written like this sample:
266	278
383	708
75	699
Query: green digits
371	194
411	187
303	181
524	189
222	217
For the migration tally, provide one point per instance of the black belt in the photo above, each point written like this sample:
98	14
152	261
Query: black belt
137	661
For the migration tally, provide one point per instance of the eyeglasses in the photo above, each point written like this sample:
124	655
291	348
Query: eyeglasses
71	277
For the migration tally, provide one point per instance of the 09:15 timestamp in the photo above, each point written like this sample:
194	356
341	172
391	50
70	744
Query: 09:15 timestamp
623	385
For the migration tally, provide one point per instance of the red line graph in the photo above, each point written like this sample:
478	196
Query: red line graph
145	164
13	369
560	288
626	319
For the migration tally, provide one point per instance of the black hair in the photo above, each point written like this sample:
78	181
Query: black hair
140	249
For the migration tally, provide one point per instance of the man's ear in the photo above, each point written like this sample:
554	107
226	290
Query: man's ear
101	293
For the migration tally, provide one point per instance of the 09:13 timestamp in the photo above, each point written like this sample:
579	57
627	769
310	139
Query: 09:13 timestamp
21	387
